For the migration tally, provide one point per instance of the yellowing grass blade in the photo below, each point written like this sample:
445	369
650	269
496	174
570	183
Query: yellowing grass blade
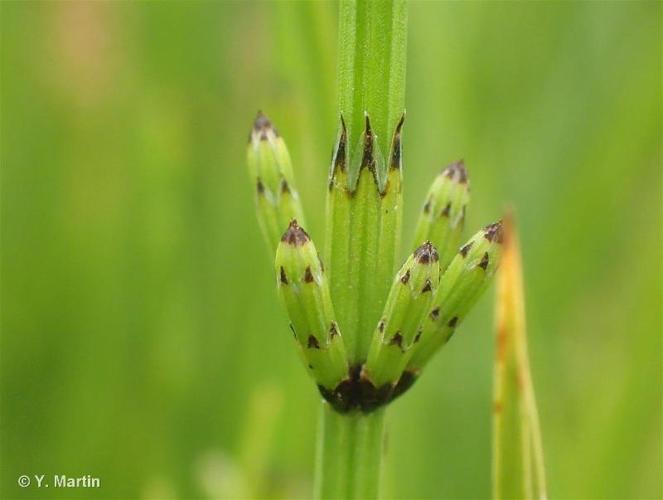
518	470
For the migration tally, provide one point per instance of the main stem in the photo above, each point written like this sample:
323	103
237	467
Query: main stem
363	230
349	456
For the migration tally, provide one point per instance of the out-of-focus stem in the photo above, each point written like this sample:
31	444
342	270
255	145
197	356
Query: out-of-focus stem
349	456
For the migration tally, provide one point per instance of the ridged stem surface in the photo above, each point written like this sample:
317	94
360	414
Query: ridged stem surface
363	223
349	458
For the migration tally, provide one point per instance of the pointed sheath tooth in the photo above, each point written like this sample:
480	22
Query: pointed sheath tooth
367	153
338	203
303	289
399	329
443	215
270	167
339	153
353	212
463	282
395	157
368	156
363	228
337	230
389	214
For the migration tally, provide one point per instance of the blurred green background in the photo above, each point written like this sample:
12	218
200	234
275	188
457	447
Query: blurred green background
142	341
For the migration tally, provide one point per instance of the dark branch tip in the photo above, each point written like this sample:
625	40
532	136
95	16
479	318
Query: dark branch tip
261	126
457	172
295	235
494	232
426	253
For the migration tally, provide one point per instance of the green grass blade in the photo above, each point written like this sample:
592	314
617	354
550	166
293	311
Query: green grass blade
518	470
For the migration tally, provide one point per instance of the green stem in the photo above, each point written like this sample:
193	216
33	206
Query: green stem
371	66
363	219
349	455
363	226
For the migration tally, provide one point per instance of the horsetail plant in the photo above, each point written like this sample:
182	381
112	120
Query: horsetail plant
364	331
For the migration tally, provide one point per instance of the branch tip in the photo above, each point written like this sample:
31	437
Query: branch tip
295	235
493	232
456	171
261	126
426	253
